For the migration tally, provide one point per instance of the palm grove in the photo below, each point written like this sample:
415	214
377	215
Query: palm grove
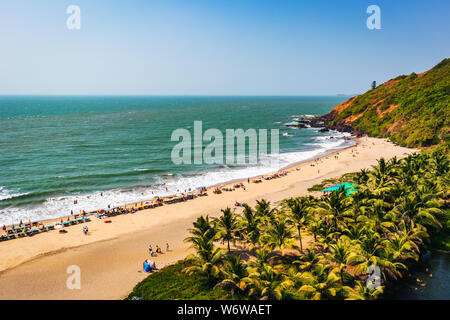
261	253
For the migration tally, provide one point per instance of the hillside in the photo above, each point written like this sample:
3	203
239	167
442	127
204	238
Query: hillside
411	110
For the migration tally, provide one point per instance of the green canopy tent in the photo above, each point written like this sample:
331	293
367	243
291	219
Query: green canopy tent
348	187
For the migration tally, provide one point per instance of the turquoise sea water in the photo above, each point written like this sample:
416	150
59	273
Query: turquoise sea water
110	150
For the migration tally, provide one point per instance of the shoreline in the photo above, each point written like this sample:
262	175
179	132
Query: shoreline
37	265
287	167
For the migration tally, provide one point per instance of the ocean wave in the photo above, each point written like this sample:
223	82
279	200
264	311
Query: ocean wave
6	194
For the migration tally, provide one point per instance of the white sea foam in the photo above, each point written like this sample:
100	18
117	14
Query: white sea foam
7	194
292	123
62	206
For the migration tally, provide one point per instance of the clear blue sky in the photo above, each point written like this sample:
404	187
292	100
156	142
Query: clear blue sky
215	47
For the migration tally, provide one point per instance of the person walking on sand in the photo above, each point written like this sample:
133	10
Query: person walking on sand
167	246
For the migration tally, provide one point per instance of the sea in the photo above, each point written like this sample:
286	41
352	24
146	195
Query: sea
69	153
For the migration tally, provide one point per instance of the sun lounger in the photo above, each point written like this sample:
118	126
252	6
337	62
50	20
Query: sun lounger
32	232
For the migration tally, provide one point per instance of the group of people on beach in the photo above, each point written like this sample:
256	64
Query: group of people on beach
157	249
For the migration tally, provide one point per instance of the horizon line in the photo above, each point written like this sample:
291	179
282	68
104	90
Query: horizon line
177	95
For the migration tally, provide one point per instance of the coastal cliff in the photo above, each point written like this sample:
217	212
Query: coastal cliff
412	111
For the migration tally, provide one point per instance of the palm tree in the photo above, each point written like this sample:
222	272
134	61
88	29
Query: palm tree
354	231
234	275
440	162
314	226
396	192
334	206
227	226
369	251
298	209
358	204
402	248
382	173
362	176
412	231
339	255
202	228
320	283
263	209
279	235
250	226
376	216
419	208
309	260
268	283
208	259
363	292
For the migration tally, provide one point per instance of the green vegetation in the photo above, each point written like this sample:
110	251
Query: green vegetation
412	110
170	283
311	248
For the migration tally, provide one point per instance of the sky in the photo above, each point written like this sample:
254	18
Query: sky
215	47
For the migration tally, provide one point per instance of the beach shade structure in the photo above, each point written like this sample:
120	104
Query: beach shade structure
349	192
349	187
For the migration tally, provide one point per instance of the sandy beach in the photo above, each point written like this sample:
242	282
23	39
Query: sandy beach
110	257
